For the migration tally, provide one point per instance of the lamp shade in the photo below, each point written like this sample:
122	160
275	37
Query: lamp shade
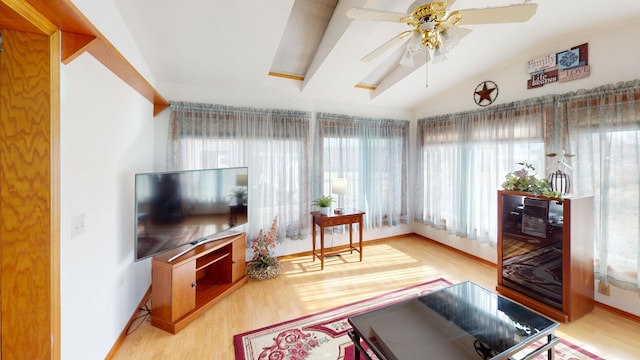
339	186
242	180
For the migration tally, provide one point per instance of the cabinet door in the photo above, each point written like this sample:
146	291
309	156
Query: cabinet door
239	264
531	244
183	289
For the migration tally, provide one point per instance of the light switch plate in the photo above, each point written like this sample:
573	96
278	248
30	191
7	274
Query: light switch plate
77	225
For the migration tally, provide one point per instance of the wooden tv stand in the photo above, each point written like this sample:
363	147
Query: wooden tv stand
183	289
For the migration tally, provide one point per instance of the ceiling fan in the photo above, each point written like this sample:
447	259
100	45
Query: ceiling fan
434	27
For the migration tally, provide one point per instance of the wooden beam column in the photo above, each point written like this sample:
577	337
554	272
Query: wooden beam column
29	196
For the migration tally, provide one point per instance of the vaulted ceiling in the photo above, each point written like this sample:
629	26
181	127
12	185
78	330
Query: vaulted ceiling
310	49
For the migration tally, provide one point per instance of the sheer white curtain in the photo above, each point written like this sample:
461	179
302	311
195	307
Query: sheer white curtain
372	155
604	132
273	144
463	158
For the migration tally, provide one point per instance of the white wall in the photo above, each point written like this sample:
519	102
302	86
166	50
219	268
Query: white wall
105	16
613	58
106	136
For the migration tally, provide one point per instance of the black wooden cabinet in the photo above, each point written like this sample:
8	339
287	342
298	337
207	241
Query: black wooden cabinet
545	253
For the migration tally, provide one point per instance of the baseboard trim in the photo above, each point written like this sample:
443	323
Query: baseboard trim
615	310
346	246
123	334
471	256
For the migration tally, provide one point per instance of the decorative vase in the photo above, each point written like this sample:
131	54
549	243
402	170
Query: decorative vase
560	182
263	272
324	210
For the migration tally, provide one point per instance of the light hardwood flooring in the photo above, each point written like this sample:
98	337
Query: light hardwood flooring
304	289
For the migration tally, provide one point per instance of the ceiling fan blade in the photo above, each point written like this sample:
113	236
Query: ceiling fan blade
417	3
369	14
503	14
386	46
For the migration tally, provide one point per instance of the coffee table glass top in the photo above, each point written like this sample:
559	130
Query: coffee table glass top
462	321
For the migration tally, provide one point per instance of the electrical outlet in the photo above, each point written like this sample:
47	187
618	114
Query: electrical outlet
603	288
77	225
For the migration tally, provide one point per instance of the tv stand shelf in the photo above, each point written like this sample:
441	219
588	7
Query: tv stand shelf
184	288
210	259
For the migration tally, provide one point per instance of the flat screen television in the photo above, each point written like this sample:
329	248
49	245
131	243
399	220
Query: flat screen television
187	208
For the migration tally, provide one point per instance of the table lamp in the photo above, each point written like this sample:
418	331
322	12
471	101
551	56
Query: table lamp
242	180
339	187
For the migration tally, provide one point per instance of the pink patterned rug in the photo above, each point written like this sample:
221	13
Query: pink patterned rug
324	335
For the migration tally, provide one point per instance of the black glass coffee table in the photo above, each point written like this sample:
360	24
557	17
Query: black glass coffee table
462	321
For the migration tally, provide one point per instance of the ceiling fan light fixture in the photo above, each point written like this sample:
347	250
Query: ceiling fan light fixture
407	58
414	43
440	54
434	28
451	37
430	39
427	26
413	47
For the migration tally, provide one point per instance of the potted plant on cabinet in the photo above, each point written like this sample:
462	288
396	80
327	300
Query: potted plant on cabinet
525	180
323	202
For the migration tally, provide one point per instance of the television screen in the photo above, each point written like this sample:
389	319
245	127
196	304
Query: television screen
178	208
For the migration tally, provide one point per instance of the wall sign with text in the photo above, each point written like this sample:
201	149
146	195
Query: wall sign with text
562	66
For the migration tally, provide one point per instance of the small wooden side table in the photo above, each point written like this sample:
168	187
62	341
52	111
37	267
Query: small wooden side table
347	217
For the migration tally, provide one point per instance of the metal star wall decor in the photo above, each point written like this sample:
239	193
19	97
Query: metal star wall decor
485	93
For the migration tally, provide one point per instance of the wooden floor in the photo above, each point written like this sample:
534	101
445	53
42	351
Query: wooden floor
303	289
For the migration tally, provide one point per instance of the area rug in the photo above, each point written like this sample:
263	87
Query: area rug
324	335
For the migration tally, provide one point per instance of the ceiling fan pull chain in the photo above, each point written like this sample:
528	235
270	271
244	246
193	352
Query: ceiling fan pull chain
426	70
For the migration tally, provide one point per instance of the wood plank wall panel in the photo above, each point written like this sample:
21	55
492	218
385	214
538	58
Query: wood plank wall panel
28	273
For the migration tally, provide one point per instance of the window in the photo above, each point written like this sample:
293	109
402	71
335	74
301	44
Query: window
604	133
462	161
273	144
372	155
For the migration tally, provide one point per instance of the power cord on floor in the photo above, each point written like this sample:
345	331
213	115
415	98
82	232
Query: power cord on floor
145	314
